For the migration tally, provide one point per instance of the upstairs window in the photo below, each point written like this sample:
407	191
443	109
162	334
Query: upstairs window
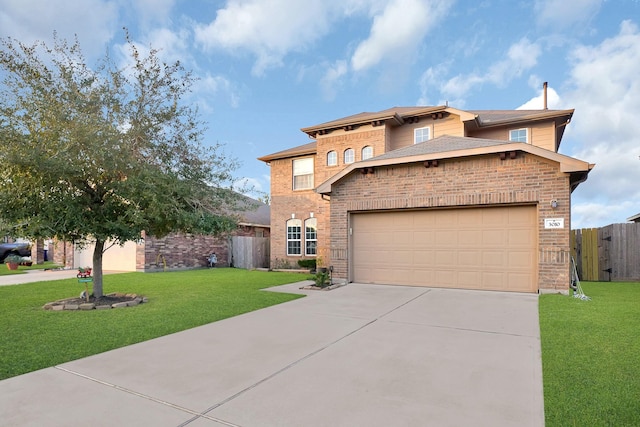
518	135
421	135
349	156
311	236
332	158
303	174
294	237
367	152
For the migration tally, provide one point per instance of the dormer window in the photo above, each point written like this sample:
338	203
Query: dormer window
349	156
519	135
421	135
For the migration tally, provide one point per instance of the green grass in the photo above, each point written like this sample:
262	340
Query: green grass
591	356
4	270
32	338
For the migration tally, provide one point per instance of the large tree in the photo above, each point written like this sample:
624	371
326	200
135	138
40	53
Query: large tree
101	153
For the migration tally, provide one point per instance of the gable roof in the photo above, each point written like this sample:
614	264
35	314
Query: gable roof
300	150
401	115
482	118
449	147
253	213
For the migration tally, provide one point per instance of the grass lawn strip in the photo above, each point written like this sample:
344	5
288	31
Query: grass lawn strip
4	271
591	356
32	338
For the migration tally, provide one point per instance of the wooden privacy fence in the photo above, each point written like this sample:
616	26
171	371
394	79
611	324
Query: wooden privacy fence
249	252
605	254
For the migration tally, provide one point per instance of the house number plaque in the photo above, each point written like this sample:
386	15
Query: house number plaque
554	223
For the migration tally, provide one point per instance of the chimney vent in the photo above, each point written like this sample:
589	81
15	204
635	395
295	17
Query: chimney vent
544	95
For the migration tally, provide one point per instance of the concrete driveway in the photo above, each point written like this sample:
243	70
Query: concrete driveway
359	355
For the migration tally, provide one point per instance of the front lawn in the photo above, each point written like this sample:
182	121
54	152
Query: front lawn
4	270
591	356
32	338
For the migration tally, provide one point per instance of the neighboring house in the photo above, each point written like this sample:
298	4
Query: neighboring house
430	196
635	218
246	247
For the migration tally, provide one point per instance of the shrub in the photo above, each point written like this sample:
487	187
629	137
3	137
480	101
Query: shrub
307	263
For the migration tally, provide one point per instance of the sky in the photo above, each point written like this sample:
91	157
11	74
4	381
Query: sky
268	68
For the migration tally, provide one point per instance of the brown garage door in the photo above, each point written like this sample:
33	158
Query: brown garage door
477	248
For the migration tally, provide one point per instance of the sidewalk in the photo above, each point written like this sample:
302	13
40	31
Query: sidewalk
41	276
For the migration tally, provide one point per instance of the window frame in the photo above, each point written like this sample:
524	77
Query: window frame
311	237
353	156
421	130
295	183
291	234
334	154
518	138
362	152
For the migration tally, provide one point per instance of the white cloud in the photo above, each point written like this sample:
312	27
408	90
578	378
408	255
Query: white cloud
398	29
268	30
333	78
94	21
537	103
152	11
172	45
521	57
210	86
605	91
563	14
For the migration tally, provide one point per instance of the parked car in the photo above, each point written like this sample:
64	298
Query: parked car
21	249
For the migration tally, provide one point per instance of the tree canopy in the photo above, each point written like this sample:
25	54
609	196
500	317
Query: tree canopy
104	152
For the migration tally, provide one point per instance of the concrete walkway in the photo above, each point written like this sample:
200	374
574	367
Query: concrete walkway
359	355
31	276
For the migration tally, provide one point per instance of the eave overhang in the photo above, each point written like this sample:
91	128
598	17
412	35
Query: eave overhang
301	150
396	116
578	169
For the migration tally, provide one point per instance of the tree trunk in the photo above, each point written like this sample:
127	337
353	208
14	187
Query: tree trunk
97	268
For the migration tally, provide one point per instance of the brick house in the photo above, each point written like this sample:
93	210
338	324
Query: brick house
430	196
174	251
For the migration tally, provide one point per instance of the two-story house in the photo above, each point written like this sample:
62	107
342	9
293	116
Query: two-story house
430	196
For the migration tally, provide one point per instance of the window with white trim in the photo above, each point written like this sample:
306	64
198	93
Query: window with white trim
311	236
367	152
519	135
349	156
421	135
294	237
303	174
332	158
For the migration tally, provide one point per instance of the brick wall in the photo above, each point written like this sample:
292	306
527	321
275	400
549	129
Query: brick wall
181	251
62	253
301	204
478	181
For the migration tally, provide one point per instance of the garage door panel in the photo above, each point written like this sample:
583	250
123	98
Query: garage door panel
477	248
446	258
521	259
446	238
469	259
